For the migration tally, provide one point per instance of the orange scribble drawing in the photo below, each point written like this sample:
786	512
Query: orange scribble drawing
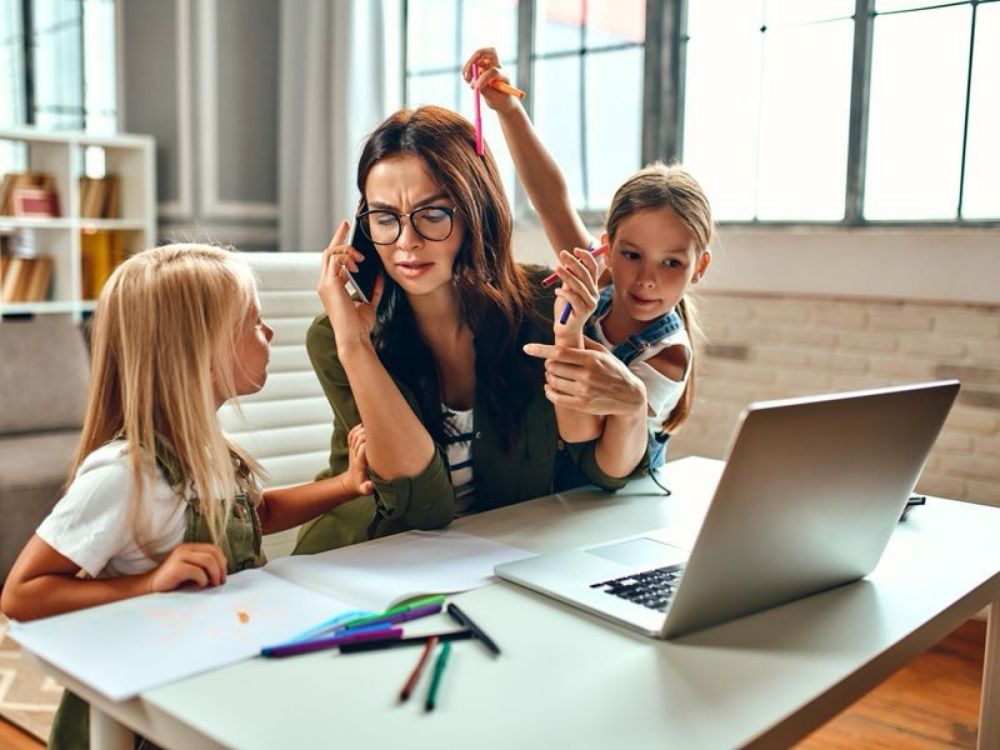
244	617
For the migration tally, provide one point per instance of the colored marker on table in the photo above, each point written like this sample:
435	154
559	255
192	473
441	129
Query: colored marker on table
411	681
334	641
439	665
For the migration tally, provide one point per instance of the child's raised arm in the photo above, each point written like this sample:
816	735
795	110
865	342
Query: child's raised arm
540	175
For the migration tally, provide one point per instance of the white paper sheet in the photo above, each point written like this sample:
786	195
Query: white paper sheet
386	571
127	647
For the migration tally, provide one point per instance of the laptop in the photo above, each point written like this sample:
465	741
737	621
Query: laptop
810	493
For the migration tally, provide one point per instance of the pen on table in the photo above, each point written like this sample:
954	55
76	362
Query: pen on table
320	644
479	115
439	666
413	640
466	622
506	88
387	619
411	681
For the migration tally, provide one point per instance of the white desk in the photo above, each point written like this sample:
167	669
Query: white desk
566	679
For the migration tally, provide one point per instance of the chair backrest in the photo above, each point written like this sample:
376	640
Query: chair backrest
44	368
286	426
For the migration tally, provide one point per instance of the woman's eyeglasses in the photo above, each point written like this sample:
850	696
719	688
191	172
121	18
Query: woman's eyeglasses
383	227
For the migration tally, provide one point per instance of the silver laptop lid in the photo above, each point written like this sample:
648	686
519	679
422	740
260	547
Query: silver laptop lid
811	491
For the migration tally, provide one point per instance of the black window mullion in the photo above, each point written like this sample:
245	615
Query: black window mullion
857	138
28	50
968	103
663	80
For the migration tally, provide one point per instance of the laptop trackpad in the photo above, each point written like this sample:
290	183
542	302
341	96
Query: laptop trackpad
639	552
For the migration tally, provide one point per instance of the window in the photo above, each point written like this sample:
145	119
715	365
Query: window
785	110
58	58
932	151
766	103
581	51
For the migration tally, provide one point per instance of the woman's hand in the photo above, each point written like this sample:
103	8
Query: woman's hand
579	272
590	381
356	478
489	70
352	321
200	564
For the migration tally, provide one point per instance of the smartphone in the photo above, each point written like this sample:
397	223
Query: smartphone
368	270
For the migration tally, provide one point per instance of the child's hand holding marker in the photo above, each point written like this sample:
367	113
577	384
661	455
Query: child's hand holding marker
482	72
578	295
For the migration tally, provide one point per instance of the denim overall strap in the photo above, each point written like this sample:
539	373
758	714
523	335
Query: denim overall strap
637	343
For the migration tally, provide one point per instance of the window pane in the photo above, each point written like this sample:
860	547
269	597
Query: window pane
557	117
99	66
11	64
557	25
615	22
58	76
722	102
917	114
785	12
982	156
614	133
490	23
805	108
439	88
431	34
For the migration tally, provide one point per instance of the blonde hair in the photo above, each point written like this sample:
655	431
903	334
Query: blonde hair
163	345
659	185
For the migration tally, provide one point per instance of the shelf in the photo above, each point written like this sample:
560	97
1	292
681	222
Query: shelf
78	255
9	223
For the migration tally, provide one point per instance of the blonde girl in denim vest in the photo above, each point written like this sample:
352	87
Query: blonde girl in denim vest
159	497
658	230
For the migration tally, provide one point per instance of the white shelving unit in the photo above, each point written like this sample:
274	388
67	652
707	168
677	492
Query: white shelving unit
63	154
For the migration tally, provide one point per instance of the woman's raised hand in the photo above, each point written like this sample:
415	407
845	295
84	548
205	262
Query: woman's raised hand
592	381
352	321
489	70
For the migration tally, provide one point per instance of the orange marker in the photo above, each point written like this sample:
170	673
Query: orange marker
506	88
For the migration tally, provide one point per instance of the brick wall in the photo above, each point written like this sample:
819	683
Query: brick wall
762	346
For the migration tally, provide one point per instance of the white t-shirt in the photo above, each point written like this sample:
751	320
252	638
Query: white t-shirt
92	524
662	393
459	448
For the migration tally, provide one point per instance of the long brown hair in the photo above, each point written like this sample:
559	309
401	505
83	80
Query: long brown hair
163	343
493	292
658	185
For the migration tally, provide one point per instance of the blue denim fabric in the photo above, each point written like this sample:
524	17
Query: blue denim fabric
632	347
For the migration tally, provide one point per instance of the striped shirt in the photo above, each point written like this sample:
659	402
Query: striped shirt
459	429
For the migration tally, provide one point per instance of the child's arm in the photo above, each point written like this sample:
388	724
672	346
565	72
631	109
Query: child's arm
578	272
44	583
539	173
286	507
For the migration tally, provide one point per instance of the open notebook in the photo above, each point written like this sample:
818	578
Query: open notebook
125	648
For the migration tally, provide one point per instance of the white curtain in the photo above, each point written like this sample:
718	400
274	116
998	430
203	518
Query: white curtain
340	76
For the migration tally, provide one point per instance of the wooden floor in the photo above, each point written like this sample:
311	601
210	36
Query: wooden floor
930	704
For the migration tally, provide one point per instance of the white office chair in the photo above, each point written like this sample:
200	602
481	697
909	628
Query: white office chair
287	426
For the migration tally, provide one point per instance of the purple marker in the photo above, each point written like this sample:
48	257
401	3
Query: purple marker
320	644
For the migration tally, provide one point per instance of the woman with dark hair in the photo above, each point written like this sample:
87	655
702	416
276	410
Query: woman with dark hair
455	412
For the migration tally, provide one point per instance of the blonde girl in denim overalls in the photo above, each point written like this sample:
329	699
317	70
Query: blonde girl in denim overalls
159	497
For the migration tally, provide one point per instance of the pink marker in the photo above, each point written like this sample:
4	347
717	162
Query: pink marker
479	115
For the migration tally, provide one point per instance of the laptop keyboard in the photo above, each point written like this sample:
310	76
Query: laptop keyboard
650	588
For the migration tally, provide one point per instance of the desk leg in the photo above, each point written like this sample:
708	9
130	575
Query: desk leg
989	706
108	734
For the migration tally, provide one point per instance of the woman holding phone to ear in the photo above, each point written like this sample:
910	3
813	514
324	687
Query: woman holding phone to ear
455	412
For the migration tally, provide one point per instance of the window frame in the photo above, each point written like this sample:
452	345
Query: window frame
663	107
